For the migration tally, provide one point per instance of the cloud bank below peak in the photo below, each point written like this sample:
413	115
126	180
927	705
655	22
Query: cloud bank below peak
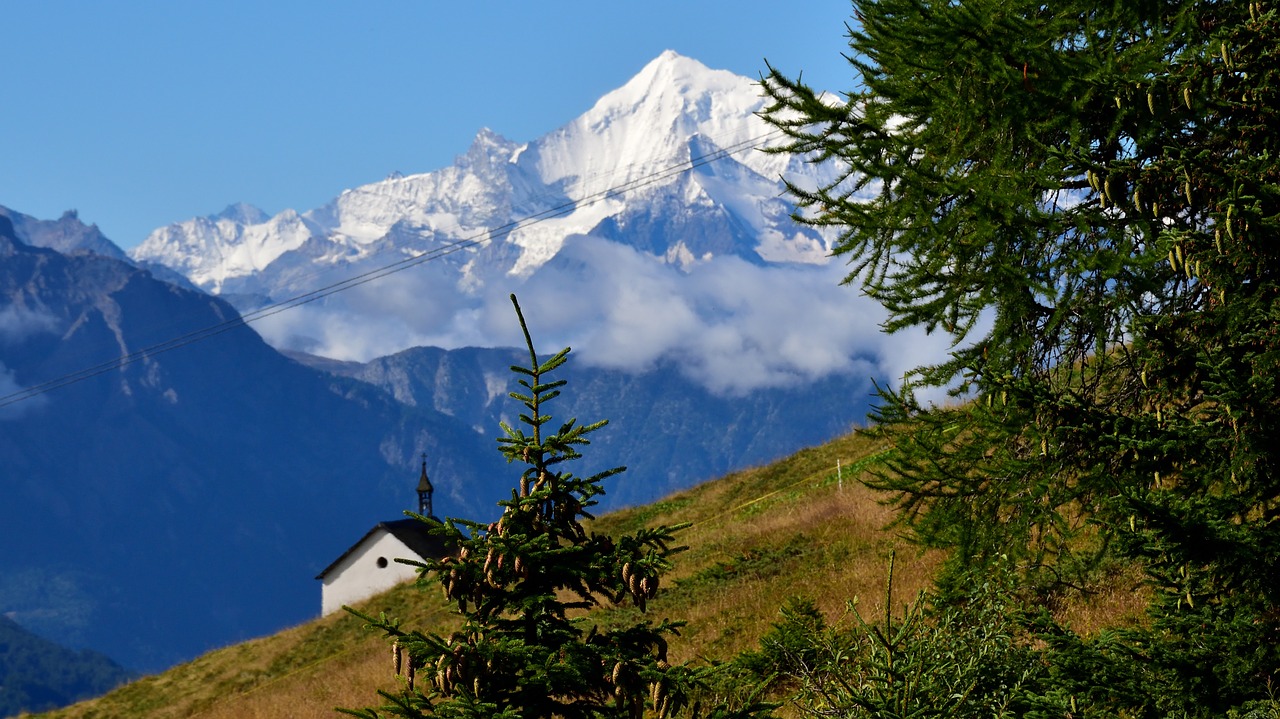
731	325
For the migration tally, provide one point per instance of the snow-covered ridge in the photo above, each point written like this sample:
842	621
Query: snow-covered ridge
241	240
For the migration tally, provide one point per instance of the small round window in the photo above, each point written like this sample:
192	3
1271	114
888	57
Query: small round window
382	562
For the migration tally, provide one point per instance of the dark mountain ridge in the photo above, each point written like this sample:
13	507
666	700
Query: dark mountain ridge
669	430
191	494
67	234
37	674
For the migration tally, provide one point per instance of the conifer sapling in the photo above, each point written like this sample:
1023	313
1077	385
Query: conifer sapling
522	586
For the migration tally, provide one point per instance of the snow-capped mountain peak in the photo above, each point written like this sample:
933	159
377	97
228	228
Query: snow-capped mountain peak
644	126
668	167
642	133
487	147
243	213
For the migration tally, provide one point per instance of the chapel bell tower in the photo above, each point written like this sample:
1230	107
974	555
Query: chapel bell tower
425	490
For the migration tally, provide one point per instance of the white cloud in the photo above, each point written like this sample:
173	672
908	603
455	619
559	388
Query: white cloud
732	325
18	322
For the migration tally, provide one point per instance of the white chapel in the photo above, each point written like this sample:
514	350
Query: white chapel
369	566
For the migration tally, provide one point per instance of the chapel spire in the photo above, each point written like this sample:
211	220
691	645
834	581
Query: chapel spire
425	490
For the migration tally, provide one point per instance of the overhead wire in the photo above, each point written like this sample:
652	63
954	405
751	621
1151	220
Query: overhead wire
448	248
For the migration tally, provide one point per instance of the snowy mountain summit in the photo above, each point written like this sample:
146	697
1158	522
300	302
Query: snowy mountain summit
664	177
643	134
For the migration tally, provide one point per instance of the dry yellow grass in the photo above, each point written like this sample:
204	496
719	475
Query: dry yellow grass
350	680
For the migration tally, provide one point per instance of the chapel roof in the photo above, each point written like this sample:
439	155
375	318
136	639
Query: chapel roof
414	533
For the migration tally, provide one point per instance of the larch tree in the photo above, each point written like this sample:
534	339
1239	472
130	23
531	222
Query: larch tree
1085	196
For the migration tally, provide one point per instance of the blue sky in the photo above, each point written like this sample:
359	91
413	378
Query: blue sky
138	114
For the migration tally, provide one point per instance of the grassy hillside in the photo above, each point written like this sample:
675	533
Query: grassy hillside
758	537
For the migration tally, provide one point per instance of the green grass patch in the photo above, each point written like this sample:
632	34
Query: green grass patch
752	564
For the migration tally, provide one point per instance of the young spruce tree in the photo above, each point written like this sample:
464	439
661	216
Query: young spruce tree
1086	196
521	585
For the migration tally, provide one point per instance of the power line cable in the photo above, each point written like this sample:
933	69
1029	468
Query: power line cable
448	248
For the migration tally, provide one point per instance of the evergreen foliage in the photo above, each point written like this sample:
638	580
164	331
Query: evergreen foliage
939	659
522	586
791	646
1085	197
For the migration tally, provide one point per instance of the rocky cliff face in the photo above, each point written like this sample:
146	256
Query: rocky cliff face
66	234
